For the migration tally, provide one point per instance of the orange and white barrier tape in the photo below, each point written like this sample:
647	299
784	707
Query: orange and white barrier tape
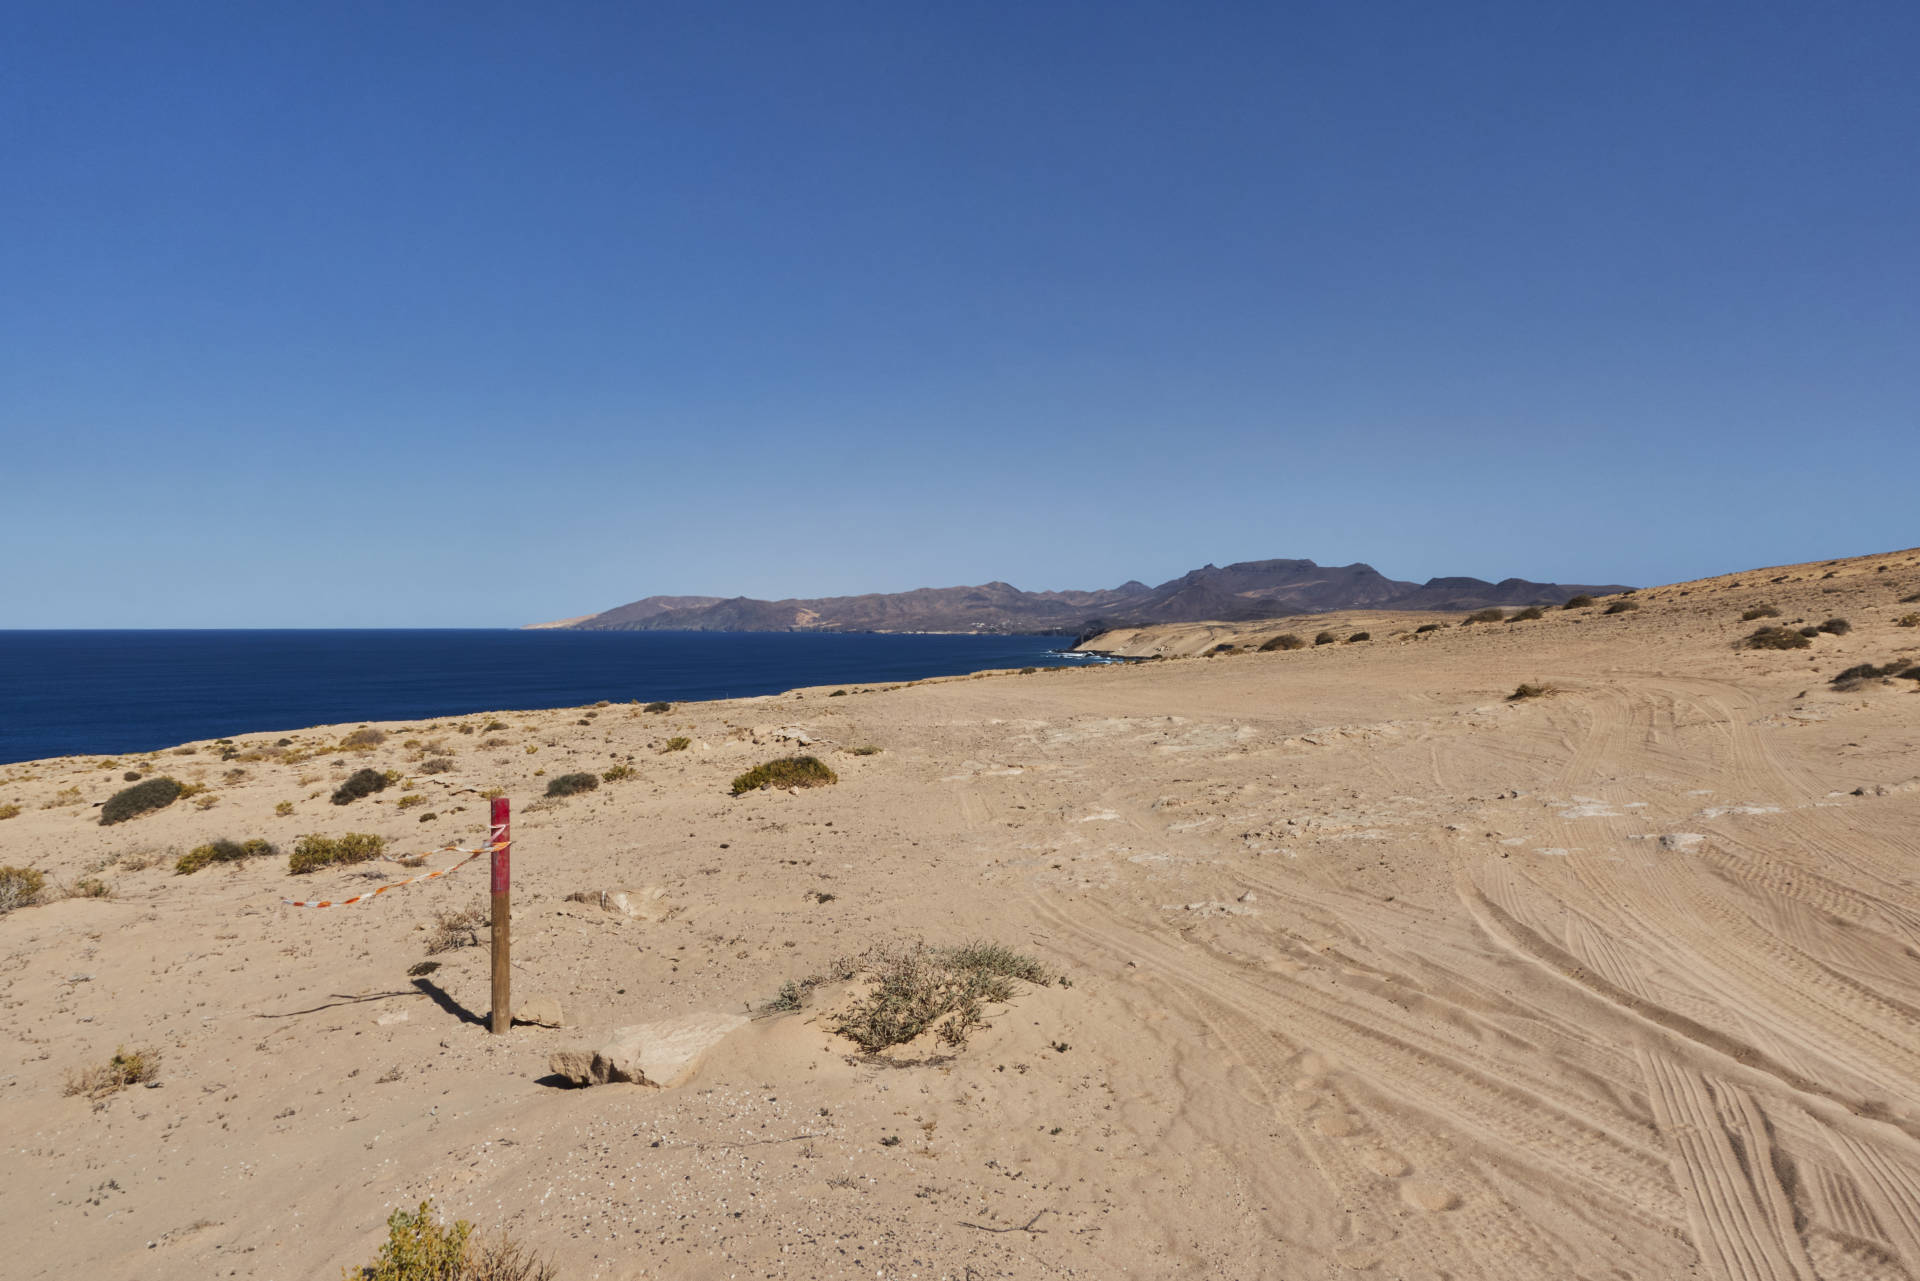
395	885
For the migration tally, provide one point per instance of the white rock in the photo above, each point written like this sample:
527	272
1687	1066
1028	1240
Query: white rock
663	1054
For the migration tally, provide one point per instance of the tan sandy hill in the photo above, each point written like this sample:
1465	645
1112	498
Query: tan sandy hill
1373	971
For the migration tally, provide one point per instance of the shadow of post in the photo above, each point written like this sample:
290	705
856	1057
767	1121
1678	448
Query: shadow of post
440	997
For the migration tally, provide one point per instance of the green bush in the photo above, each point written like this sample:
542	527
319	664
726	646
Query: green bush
221	851
1582	601
420	1248
141	798
1622	607
1484	616
657	707
1528	614
20	887
789	771
1775	638
1758	612
571	784
1286	641
363	782
311	853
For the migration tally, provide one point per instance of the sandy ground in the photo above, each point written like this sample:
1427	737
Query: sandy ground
1373	972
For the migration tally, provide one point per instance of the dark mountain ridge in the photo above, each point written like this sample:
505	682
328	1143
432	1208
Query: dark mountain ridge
1247	590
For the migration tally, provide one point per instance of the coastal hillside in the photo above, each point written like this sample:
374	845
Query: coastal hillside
1246	590
1568	943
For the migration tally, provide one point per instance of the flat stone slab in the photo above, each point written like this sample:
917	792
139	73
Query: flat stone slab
662	1054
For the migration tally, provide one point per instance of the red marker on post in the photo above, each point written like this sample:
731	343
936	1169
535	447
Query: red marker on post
500	838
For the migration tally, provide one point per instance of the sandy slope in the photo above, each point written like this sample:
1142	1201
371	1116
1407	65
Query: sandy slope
1373	972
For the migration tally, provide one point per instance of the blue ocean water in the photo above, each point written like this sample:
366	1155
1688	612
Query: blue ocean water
105	692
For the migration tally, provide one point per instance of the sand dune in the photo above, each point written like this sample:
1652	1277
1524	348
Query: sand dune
1372	971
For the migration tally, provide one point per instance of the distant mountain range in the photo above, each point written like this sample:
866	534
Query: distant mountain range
1249	590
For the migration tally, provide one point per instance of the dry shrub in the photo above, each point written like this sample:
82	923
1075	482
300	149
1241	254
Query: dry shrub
618	773
221	851
20	887
1427	627
678	743
1836	627
436	765
1285	641
1359	636
455	929
421	1248
1909	620
788	771
1484	616
1528	614
314	852
572	784
13	811
916	987
1622	607
1582	601
141	798
123	1069
1759	611
364	738
1532	690
1325	638
1775	638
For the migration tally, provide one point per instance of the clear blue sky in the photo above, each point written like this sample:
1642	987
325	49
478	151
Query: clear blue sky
474	314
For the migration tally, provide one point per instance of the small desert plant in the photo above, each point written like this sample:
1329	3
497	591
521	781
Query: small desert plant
1909	620
141	798
131	776
789	771
571	784
363	782
90	887
126	1067
9	811
657	707
1836	627
495	727
1222	648
20	887
1759	611
65	796
1427	627
678	743
1622	607
1484	616
1325	638
838	693
1582	601
616	773
364	738
1531	690
436	765
1285	641
313	852
420	1248
410	800
1775	638
283	809
1359	636
1528	614
916	987
221	851
865	749
455	929
1861	673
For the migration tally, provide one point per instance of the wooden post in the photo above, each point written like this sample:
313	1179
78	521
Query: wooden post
501	838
